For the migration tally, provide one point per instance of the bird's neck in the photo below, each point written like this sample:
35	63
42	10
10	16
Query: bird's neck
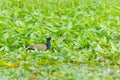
48	44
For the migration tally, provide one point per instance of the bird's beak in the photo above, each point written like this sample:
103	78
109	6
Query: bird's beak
53	39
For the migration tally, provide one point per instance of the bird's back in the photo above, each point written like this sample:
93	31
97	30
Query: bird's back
39	47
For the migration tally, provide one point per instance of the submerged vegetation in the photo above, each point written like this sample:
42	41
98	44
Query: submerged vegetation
85	45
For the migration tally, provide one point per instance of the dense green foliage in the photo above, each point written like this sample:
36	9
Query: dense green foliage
85	45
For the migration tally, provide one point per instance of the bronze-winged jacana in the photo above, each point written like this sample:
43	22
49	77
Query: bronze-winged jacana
42	46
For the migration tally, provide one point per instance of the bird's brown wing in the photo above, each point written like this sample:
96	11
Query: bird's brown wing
39	47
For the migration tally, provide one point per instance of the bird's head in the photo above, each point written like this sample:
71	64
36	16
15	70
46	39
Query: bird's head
48	38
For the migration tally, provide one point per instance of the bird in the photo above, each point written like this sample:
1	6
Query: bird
41	47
